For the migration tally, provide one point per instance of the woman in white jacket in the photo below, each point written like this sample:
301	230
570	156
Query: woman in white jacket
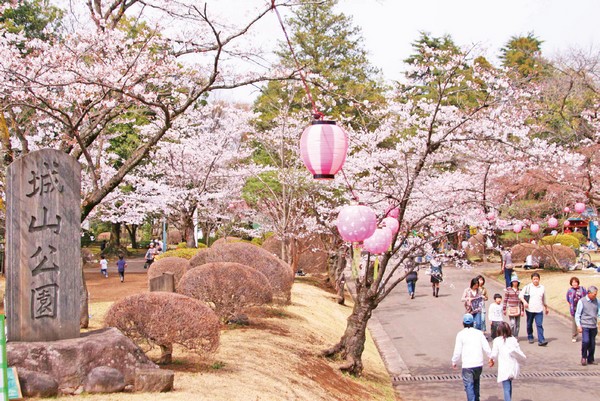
507	353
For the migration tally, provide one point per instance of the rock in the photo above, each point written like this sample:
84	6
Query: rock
154	380
70	361
104	379
241	319
36	384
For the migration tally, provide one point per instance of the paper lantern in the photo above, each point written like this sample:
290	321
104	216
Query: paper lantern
580	207
491	216
535	228
566	209
552	222
356	223
323	147
517	228
379	242
567	223
392	224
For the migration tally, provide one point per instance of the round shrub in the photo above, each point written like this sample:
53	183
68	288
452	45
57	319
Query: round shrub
186	253
181	245
228	286
563	239
225	240
520	251
177	266
163	319
580	237
556	256
278	273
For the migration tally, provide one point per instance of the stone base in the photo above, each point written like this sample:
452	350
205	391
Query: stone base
69	362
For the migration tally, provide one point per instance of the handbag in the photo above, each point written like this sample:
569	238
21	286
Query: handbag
526	295
514	311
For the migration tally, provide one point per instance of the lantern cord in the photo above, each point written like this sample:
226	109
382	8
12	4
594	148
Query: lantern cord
316	114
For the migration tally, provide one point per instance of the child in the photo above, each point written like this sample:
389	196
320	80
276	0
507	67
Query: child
104	266
508	354
121	265
495	314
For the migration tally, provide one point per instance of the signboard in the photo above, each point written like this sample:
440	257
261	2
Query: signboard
10	389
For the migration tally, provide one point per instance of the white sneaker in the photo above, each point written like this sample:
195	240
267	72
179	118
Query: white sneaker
573	340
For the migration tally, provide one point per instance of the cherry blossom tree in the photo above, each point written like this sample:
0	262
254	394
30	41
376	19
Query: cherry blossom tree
422	160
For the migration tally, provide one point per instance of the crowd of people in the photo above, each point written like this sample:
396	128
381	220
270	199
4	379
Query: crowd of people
471	344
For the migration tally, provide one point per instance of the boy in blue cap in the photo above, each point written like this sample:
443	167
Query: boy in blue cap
469	347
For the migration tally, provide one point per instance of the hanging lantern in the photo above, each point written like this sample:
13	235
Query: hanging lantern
379	242
580	207
535	228
392	224
567	223
517	228
567	209
323	147
356	223
491	216
392	212
552	222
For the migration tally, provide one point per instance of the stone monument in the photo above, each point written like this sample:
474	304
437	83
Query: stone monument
43	262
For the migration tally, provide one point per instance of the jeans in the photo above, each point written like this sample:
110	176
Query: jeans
515	325
507	274
483	314
411	287
588	343
539	320
507	387
470	377
477	320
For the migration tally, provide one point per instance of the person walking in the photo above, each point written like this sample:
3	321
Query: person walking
436	275
574	294
104	266
507	353
411	281
495	315
469	347
121	265
586	318
150	254
533	297
512	305
484	294
473	301
507	266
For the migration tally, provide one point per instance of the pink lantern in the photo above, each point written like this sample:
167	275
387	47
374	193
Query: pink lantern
535	228
517	228
552	222
392	224
356	223
379	242
580	207
566	209
567	223
323	147
491	216
393	212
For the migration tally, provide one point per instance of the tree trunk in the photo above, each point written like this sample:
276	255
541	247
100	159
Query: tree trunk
115	236
84	312
336	264
352	343
166	355
132	231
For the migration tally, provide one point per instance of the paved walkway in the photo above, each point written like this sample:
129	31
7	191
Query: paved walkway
416	339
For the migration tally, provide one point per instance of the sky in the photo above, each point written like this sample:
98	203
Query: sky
390	26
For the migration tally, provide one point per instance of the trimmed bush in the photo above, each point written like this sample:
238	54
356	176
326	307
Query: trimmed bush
177	266
230	287
520	251
580	237
278	273
226	240
186	253
563	239
556	256
181	245
163	319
